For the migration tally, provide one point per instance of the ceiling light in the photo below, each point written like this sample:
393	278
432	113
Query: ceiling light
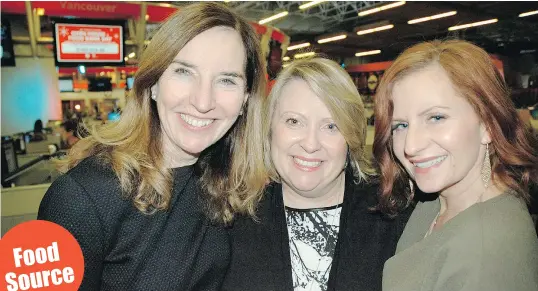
428	18
528	13
167	5
304	55
368	53
147	16
40	11
298	46
276	16
334	38
527	51
310	4
463	26
126	59
381	8
376	29
132	55
286	58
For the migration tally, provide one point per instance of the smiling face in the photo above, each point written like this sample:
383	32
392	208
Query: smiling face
307	149
437	136
200	95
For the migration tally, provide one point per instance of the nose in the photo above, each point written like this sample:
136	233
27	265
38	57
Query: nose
202	98
415	141
310	141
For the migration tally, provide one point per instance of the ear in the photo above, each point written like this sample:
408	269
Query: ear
485	138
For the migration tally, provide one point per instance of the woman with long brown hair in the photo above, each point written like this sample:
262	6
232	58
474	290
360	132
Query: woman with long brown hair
146	216
445	124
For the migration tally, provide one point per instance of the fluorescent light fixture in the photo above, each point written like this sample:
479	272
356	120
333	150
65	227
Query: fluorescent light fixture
381	8
433	17
310	4
528	13
304	55
463	26
334	38
286	58
276	16
376	29
527	51
367	53
132	55
298	46
165	5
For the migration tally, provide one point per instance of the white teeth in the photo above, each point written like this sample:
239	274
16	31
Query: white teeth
306	164
196	122
430	163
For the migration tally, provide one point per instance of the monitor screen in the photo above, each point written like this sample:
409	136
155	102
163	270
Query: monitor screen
66	85
130	82
99	84
88	42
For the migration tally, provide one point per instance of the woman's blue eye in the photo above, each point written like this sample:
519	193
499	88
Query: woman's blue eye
437	117
228	82
292	121
399	126
182	71
332	126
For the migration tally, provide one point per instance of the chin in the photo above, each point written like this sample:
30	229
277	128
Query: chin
429	187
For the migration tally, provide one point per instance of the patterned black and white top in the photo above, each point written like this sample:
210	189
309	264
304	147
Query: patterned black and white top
312	234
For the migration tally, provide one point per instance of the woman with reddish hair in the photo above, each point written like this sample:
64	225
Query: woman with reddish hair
445	124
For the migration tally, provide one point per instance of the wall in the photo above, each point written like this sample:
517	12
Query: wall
29	91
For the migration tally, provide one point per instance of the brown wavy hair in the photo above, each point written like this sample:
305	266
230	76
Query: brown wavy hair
513	157
133	145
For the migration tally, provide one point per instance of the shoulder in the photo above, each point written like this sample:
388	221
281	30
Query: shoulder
91	186
507	225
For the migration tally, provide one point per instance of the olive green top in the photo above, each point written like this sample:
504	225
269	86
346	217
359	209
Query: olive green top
490	246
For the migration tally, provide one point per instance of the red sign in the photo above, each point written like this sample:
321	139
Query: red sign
85	43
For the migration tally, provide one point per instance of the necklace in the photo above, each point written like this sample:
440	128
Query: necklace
434	223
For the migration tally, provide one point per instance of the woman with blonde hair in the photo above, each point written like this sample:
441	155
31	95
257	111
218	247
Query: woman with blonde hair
445	124
313	229
131	194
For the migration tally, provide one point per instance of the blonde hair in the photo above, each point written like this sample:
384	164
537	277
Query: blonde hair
133	146
333	85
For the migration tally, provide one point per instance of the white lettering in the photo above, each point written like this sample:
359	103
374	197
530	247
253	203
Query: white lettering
12	284
28	257
24	282
52	252
40	255
69	275
55	280
17	256
36	280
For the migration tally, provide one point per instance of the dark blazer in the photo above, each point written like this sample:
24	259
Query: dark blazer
261	254
124	249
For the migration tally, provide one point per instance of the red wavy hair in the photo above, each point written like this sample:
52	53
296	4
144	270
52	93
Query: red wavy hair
514	160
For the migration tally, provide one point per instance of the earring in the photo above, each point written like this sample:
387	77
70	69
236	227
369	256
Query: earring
411	188
486	168
153	95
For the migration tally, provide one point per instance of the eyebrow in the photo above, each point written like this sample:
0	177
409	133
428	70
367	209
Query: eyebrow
423	112
227	74
431	108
